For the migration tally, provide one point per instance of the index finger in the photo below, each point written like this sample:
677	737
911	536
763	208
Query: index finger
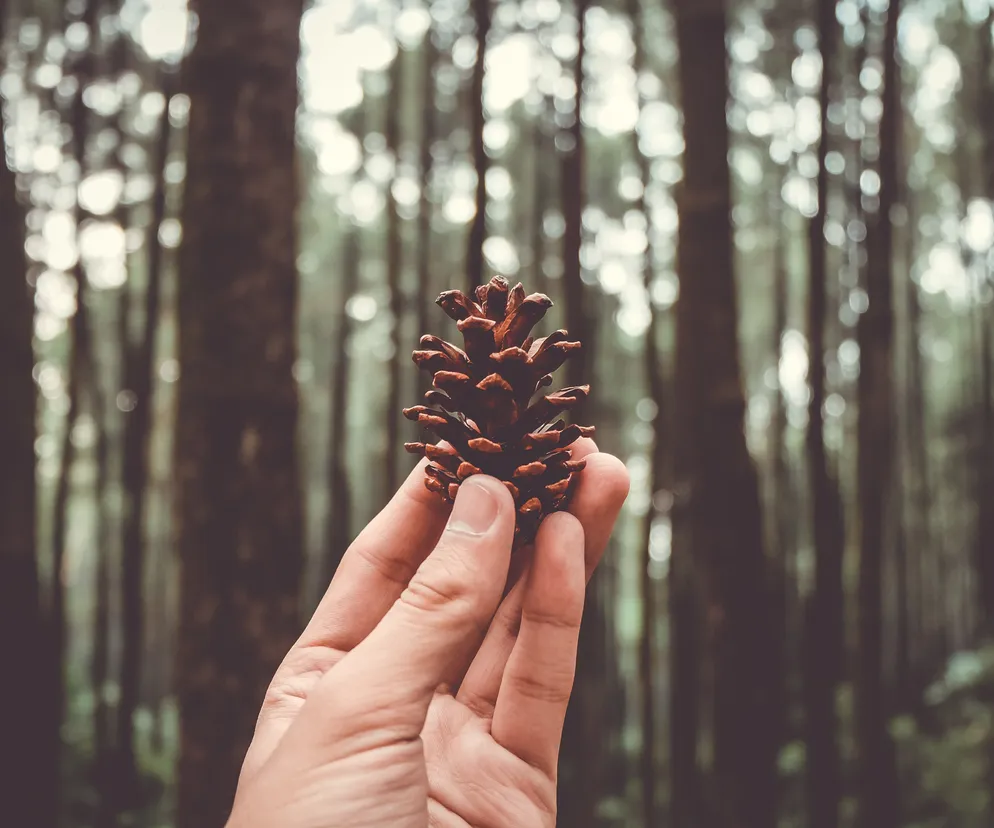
378	566
382	560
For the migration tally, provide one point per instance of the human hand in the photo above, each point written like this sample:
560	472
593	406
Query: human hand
417	696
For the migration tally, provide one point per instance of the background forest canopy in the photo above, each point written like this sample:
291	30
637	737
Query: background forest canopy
221	235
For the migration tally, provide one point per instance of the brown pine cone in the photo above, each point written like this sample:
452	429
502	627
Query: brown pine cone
481	404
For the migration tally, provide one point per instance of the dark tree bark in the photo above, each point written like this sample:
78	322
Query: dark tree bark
28	783
139	375
823	649
236	471
714	472
877	783
395	249
478	230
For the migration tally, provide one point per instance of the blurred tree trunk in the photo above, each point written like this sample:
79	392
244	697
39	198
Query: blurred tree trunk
824	648
338	532
28	784
656	384
540	198
80	345
78	331
877	782
100	664
429	131
784	499
917	464
236	471
395	249
985	483
584	748
139	373
478	229
714	471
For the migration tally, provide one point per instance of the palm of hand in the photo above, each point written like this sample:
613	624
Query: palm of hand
353	733
473	780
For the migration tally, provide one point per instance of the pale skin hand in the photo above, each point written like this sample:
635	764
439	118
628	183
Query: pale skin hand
420	694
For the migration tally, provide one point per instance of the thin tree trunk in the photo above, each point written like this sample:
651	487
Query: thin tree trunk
80	346
715	471
395	248
583	745
139	381
985	483
339	529
478	230
540	195
100	664
29	784
429	131
236	472
823	650
877	783
655	381
684	661
103	720
784	499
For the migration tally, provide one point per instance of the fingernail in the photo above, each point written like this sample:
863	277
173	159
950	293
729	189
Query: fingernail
475	509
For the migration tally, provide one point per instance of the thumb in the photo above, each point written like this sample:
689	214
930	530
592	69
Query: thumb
430	633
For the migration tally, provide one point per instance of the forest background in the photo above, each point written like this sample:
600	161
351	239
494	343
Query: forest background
221	231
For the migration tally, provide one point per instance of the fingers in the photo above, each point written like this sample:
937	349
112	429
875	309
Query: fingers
531	705
378	565
597	502
386	683
373	573
381	561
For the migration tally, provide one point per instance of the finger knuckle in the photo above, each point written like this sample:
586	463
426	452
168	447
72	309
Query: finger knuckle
551	686
443	583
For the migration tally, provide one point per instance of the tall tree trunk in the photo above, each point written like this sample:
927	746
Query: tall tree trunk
540	198
80	346
60	529
339	529
395	248
478	230
236	472
139	381
985	483
584	750
877	785
918	477
823	649
784	500
714	470
655	381
574	194
29	783
100	662
429	131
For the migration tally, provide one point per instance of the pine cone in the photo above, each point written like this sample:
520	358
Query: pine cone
481	403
